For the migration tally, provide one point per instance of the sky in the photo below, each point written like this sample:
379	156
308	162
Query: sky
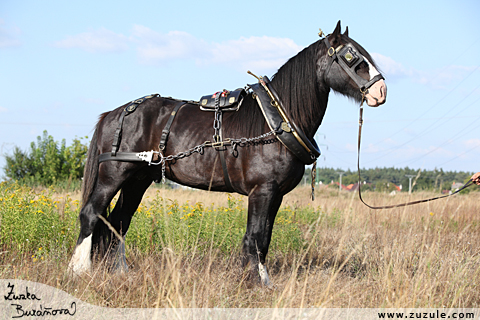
63	63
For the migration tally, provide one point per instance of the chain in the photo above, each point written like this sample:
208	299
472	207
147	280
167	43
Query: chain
217	122
242	142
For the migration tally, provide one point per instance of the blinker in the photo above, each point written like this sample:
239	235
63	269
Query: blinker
349	55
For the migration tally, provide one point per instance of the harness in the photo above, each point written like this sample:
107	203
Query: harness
281	127
292	137
286	131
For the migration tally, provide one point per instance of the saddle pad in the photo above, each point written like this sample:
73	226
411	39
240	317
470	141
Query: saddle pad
227	100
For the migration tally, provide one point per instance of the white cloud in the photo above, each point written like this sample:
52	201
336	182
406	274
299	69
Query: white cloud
472	143
259	53
391	68
101	40
153	48
439	79
2	109
443	78
255	52
9	35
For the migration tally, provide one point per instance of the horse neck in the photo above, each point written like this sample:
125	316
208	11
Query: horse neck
305	103
300	86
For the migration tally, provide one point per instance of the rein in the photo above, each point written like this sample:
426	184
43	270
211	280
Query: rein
360	124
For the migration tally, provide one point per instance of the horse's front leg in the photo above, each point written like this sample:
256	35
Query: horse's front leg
263	204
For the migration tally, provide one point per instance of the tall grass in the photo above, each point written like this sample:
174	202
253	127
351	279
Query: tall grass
183	249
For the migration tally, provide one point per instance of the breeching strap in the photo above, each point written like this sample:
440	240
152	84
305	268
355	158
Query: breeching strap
360	124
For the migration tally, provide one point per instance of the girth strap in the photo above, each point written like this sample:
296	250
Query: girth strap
221	152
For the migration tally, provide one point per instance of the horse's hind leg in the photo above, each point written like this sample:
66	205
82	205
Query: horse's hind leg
102	193
121	216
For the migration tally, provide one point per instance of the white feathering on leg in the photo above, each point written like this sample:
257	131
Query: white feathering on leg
262	270
81	262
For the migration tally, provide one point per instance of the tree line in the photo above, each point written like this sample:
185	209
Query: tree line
385	179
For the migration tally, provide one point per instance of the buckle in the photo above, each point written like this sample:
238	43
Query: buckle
220	144
332	51
146	156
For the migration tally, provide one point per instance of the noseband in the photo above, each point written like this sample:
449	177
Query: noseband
349	58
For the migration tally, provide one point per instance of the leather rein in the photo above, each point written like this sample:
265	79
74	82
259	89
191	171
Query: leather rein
360	124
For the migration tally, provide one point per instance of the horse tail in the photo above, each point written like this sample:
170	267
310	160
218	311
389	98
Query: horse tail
90	173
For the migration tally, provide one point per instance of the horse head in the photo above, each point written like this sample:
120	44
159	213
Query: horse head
349	69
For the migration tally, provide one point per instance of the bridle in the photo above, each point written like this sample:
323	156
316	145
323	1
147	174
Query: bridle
349	58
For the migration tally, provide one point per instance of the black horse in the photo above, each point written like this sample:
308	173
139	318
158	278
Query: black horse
265	172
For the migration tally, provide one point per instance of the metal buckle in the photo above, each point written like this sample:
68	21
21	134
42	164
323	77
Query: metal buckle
146	156
332	52
220	144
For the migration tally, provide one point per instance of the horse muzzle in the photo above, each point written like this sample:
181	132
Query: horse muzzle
377	94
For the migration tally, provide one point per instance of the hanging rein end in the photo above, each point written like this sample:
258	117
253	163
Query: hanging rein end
314	178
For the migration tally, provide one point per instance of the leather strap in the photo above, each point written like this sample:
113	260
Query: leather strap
221	151
132	106
166	130
363	84
118	133
360	122
286	131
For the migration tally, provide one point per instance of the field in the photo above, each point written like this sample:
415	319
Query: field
183	250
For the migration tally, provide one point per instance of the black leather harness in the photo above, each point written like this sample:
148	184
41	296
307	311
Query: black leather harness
124	156
286	131
292	137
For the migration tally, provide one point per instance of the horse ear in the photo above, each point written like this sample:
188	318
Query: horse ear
346	32
338	29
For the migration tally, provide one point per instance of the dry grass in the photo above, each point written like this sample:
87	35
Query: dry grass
420	256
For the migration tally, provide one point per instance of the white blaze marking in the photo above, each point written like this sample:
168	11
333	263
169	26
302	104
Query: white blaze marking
371	69
81	262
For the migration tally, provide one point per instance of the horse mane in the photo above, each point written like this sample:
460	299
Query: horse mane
296	84
298	89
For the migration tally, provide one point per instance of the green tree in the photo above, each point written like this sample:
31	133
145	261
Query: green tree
47	162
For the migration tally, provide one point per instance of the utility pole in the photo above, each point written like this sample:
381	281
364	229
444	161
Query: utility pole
340	182
410	176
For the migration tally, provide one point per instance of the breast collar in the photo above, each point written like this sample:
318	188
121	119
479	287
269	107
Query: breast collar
292	137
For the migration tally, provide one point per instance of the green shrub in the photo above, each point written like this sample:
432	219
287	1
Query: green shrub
48	162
